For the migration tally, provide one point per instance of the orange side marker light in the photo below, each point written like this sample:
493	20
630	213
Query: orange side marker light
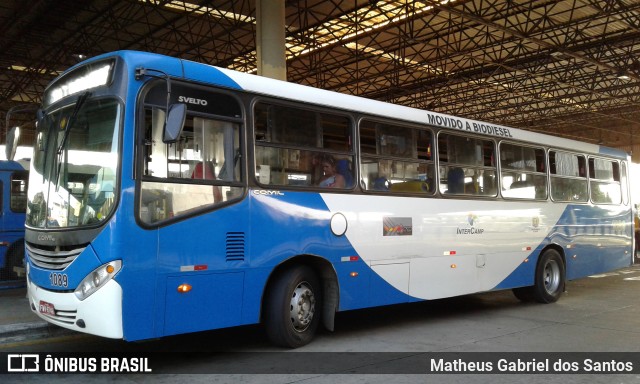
184	288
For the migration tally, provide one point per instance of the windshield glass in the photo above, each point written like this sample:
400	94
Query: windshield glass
74	167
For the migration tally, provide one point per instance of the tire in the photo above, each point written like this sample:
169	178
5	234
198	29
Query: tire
550	278
292	307
14	258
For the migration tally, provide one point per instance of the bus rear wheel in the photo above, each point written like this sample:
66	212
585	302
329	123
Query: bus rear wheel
292	307
549	280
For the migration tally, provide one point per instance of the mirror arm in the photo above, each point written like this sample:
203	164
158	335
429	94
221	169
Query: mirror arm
141	72
175	114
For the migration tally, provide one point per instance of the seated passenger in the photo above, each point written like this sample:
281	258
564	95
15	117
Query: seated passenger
331	178
455	181
343	167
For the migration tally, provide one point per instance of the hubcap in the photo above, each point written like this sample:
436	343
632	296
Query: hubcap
552	276
303	306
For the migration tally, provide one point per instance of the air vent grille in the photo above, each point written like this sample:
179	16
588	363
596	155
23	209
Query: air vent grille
235	246
53	258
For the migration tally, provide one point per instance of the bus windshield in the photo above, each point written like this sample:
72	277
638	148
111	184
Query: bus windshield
74	165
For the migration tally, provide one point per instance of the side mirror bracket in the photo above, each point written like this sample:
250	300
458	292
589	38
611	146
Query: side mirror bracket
176	113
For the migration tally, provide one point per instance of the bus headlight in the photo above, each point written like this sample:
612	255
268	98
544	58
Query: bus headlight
96	279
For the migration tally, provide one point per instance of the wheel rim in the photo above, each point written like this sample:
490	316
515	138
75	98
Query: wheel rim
303	306
552	276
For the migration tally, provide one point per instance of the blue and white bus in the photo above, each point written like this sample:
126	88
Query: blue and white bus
168	196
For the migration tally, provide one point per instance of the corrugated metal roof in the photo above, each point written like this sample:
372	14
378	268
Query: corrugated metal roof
542	65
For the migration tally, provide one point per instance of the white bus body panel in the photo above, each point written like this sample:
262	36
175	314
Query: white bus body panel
101	312
456	246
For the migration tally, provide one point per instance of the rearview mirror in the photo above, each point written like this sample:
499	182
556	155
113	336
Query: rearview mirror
12	142
175	122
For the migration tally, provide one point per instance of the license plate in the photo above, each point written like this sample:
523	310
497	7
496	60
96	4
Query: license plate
47	308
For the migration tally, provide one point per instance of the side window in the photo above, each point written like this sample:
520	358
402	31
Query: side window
302	147
523	172
467	165
568	176
19	184
604	177
200	170
624	183
396	159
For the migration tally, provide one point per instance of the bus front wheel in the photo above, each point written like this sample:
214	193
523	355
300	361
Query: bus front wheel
15	259
292	307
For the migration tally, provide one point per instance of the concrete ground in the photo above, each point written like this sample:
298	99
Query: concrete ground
597	314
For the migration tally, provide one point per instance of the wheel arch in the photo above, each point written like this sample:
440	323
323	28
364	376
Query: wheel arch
328	277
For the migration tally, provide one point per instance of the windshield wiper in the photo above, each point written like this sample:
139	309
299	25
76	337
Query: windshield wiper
72	120
65	136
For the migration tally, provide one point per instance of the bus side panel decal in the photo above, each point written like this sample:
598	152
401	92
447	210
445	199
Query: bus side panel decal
456	246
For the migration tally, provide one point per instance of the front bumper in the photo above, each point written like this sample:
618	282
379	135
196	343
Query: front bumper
100	314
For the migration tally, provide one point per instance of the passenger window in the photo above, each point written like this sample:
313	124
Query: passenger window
568	176
467	165
523	172
302	147
604	178
19	184
396	159
624	183
200	170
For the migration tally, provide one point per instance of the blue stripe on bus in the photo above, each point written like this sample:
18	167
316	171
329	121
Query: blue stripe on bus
299	223
595	247
209	74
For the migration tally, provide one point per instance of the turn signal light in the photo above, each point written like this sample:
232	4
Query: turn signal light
184	288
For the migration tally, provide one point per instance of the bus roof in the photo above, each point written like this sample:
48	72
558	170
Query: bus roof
228	78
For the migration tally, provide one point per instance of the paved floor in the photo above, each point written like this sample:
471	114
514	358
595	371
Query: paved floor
596	314
17	322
